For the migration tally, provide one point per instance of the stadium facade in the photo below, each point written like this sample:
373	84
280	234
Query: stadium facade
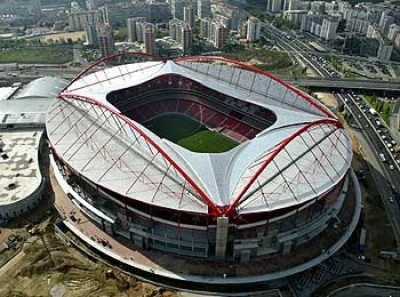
273	192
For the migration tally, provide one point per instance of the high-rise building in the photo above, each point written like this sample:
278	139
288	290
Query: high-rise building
77	20
236	18
105	39
394	30
118	13
372	31
204	8
397	41
91	35
220	35
384	51
188	15
213	31
187	39
135	29
177	7
181	32
274	5
204	27
149	38
329	28
386	21
223	19
295	17
253	29
75	7
176	30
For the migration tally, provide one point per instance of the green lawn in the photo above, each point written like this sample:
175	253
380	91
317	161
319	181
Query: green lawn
189	134
37	55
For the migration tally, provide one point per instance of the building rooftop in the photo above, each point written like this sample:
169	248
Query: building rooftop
27	106
6	92
43	87
19	165
32	111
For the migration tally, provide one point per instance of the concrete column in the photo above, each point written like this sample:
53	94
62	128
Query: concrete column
221	237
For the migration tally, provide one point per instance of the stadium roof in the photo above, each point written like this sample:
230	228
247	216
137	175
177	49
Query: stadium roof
297	159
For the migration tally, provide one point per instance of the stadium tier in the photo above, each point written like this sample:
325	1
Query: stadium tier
199	156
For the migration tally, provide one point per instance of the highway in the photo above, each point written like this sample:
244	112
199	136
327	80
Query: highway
290	46
346	84
387	178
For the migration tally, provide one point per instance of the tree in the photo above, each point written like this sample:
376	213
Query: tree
387	109
379	106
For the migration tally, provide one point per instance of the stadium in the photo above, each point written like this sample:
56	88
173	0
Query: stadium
201	157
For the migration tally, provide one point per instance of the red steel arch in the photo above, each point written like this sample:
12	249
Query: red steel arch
214	209
230	211
212	206
259	71
157	58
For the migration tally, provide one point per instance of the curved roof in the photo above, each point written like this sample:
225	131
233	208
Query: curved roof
300	157
45	87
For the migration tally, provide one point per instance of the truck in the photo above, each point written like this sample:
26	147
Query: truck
372	111
363	238
382	157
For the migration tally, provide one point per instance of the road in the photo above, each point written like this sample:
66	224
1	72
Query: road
346	84
366	290
289	45
78	58
387	179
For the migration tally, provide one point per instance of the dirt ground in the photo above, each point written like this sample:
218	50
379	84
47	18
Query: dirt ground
328	99
44	266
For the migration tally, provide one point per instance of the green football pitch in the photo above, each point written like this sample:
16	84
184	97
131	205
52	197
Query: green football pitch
189	134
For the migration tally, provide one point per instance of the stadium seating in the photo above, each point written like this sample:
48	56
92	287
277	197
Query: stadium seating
169	94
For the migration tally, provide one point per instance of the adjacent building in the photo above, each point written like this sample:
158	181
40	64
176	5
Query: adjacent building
135	29
274	6
105	39
253	29
181	32
149	39
213	31
118	13
203	9
78	20
328	28
187	40
295	16
188	15
91	35
177	8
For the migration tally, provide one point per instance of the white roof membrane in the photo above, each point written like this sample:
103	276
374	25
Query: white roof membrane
107	151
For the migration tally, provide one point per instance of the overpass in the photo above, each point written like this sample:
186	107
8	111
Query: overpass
345	84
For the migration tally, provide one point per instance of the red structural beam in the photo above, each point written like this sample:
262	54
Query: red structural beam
108	58
230	211
262	72
213	208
